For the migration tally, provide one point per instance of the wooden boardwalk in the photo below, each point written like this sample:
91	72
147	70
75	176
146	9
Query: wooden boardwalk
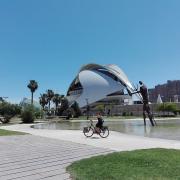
29	157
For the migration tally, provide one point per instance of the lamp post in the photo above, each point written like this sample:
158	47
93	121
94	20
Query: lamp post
87	108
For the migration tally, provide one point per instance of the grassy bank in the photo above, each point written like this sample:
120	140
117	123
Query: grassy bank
156	164
9	133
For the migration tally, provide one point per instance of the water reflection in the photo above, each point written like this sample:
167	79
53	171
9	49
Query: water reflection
166	129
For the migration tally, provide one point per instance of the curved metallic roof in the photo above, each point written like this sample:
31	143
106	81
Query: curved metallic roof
97	81
90	67
115	70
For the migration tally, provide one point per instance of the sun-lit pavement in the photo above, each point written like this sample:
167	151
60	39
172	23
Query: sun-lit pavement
116	141
46	153
29	157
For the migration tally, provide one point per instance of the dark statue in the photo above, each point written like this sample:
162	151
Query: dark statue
145	100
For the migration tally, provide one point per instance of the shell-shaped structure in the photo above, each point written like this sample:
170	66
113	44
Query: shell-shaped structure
95	82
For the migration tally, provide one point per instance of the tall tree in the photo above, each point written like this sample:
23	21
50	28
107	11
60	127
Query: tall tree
64	106
43	100
33	85
77	110
50	95
57	100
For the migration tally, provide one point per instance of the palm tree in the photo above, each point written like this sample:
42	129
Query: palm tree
43	100
50	95
33	85
57	100
64	105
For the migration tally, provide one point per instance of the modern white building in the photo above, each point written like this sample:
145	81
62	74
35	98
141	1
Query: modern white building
96	82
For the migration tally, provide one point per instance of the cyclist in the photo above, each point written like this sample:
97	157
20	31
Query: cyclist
100	122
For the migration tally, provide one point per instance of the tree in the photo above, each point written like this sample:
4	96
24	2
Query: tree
64	106
50	95
77	110
43	100
33	85
8	110
57	100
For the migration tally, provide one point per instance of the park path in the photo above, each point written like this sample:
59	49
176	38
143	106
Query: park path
29	157
45	153
116	141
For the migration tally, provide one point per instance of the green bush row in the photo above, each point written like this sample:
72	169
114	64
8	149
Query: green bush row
168	107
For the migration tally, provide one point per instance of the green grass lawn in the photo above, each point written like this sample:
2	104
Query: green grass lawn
152	164
9	133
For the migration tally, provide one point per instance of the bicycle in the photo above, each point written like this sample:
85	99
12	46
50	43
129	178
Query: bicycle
90	130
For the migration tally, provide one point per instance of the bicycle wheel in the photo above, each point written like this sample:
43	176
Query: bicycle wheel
104	132
88	131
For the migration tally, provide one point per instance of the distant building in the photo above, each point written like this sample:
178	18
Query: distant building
159	99
169	92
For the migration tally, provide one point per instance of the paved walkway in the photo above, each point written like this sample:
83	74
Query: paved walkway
29	157
46	153
116	141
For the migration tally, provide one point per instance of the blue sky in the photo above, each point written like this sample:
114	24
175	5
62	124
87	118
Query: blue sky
49	40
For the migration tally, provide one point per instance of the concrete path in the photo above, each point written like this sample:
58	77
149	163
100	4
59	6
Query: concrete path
46	153
116	141
28	157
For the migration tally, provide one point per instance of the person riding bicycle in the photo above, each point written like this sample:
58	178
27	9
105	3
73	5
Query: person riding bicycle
100	122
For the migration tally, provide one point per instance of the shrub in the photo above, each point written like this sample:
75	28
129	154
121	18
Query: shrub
68	113
38	113
7	118
178	111
168	107
8	111
28	115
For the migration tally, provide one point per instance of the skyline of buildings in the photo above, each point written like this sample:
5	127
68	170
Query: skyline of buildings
169	91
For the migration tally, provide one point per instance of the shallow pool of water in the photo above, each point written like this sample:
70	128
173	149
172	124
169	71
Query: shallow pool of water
166	129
